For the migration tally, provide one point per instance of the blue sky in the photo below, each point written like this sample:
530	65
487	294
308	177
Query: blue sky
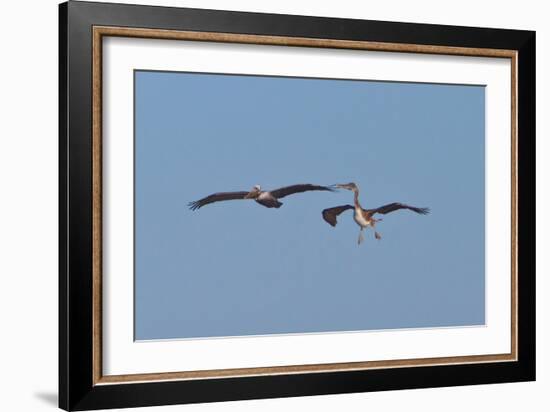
237	268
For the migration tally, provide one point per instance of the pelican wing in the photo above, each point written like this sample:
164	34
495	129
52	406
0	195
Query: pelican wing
216	197
392	207
330	214
290	190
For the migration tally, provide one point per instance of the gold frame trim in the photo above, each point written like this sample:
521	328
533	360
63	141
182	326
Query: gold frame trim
100	31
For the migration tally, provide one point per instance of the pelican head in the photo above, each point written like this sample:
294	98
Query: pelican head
254	193
349	186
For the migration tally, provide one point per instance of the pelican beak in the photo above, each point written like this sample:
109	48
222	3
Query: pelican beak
250	195
342	186
347	186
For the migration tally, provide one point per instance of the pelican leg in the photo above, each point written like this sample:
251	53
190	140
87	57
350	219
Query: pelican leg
376	234
361	237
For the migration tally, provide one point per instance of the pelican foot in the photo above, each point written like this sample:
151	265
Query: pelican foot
361	237
377	235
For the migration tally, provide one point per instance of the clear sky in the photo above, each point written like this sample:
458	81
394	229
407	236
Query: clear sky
237	268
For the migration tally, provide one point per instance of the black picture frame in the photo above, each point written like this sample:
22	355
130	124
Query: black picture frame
77	390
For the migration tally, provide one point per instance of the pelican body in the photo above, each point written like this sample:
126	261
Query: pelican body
263	197
269	199
365	217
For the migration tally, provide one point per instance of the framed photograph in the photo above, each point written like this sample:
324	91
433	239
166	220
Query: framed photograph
256	205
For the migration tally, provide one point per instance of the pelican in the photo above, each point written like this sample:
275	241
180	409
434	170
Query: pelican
365	217
265	198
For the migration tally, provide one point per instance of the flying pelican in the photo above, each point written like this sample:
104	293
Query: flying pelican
263	197
365	217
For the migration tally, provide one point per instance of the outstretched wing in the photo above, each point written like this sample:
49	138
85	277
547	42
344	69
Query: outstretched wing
216	197
392	207
290	190
330	214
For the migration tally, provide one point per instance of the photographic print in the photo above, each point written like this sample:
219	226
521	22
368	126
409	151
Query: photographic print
285	205
257	205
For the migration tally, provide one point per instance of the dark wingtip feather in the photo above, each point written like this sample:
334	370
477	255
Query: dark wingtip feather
194	205
329	188
423	210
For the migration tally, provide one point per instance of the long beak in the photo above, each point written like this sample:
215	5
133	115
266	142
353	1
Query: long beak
250	195
340	186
